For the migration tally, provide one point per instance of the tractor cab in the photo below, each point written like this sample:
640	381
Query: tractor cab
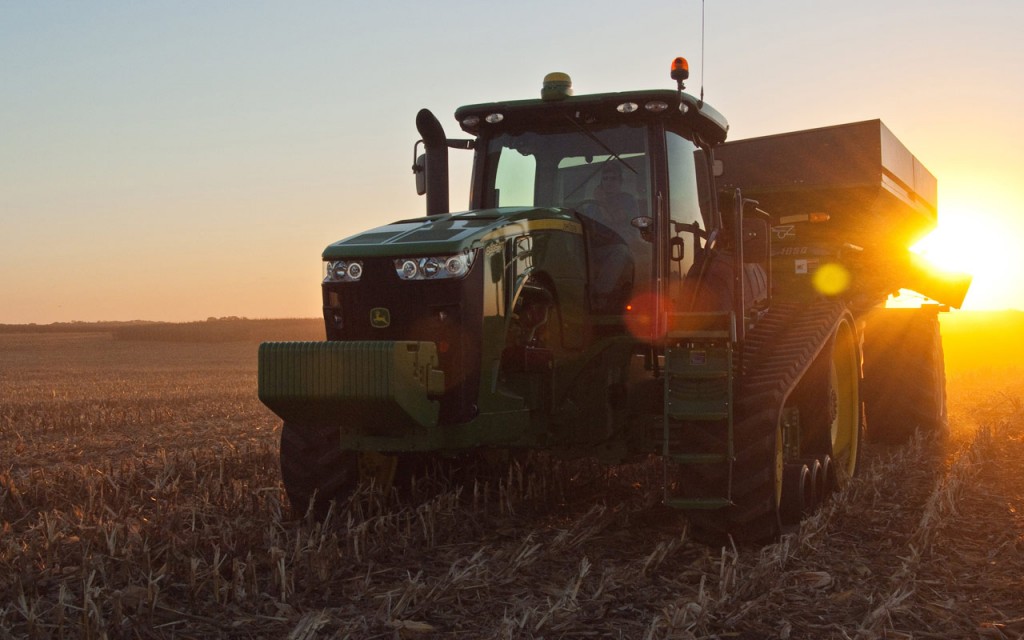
635	168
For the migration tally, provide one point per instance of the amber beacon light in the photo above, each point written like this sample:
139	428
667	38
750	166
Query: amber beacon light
680	69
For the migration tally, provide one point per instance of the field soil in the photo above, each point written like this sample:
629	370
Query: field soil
140	497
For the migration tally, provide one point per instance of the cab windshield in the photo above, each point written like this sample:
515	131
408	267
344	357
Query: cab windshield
604	175
566	168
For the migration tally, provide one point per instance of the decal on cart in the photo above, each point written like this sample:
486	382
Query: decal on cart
794	251
784	231
803	267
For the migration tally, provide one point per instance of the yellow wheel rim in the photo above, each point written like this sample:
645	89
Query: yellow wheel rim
845	402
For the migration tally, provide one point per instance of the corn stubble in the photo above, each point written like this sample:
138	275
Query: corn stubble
140	497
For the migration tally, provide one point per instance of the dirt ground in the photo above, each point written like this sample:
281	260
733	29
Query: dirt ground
140	497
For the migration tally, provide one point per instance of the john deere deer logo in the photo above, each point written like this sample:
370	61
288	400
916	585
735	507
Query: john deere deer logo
380	318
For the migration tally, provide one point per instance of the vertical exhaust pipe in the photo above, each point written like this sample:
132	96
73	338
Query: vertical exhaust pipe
436	146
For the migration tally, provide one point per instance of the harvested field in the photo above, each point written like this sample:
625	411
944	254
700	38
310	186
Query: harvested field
140	497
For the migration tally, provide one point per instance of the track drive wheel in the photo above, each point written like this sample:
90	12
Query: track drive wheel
831	419
847	424
904	375
314	468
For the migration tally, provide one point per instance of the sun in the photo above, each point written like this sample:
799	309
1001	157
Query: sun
964	249
966	242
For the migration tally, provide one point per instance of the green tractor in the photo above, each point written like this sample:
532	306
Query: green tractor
615	292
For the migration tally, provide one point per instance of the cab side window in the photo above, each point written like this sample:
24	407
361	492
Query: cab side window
689	205
514	178
684	194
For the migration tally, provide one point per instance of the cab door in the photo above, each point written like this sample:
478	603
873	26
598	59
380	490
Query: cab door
689	214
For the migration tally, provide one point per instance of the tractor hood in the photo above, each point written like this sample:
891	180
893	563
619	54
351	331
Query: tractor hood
451	233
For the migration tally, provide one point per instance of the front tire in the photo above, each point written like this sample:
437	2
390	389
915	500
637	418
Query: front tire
315	470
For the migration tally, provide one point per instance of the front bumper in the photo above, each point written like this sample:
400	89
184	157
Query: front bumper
381	388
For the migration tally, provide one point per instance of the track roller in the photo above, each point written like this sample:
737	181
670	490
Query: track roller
818	495
797	492
828	478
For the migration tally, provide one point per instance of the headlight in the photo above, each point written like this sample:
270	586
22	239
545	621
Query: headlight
342	270
434	267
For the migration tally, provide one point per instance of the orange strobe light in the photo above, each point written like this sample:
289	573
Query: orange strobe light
680	69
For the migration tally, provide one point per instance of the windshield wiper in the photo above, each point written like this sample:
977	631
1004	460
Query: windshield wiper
590	134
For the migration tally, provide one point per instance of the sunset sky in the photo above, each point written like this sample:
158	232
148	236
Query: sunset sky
179	160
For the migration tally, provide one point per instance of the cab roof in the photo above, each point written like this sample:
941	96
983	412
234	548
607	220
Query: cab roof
645	105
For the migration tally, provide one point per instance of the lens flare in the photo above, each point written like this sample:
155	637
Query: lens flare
831	279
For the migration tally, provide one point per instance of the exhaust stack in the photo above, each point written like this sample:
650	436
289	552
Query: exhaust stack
436	147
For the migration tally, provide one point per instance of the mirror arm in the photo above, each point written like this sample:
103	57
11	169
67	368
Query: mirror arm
419	169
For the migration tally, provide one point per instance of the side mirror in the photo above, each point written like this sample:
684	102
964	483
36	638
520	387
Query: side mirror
419	169
678	248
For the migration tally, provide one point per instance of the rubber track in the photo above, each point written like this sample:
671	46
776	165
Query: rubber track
776	354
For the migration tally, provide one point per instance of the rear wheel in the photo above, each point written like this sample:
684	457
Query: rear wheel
904	375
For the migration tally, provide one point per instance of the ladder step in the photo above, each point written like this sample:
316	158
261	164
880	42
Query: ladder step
706	416
699	335
698	503
698	375
701	325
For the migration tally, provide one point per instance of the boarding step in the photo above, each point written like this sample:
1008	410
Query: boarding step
698	382
698	458
700	409
698	448
701	326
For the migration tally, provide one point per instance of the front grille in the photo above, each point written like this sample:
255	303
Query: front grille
445	312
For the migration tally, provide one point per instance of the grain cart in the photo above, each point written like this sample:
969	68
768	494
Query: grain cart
614	291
